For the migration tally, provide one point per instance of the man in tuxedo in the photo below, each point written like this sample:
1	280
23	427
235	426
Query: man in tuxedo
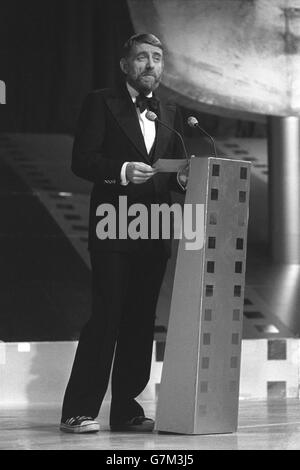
115	147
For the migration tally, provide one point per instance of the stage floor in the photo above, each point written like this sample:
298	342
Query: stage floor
268	425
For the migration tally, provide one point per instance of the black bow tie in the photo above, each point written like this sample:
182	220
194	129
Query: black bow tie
143	103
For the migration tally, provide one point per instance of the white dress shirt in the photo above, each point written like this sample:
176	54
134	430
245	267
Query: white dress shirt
147	127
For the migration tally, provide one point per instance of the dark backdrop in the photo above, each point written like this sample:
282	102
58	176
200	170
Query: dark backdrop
52	52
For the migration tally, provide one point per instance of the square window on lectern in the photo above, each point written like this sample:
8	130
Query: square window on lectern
242	196
237	291
239	243
214	194
213	218
233	362
210	268
206	338
216	170
238	267
243	173
208	314
205	363
211	242
235	338
236	314
209	290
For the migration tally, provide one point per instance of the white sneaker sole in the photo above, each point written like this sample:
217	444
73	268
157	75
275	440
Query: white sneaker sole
80	429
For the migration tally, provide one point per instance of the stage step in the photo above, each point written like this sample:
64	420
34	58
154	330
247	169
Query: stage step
37	373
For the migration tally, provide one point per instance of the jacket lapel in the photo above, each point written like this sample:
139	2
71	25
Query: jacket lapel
124	112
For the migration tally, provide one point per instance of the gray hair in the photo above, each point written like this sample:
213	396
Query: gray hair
140	38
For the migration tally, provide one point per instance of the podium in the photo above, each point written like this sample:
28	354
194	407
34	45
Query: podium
199	388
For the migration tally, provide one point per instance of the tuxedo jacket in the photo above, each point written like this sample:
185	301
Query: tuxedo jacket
109	134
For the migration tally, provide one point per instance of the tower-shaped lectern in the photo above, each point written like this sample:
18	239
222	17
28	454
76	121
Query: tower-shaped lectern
199	388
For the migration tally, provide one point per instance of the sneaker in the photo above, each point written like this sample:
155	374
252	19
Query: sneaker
80	424
136	424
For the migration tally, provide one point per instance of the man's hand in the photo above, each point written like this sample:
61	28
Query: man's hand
138	172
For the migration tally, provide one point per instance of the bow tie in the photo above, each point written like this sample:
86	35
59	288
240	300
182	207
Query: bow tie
143	103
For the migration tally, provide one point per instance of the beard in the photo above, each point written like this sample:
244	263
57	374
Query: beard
145	83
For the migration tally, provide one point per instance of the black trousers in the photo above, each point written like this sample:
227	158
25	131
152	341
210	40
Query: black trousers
125	289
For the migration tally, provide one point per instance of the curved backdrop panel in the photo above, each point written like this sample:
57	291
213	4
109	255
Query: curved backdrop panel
241	55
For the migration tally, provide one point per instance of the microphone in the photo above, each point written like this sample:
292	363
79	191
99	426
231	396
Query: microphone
153	117
193	122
